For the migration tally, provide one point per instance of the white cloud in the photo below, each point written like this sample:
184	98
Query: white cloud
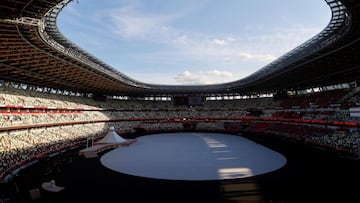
204	77
182	39
153	78
219	42
222	51
259	57
281	40
130	24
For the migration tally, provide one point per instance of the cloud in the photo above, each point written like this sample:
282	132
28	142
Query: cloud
130	24
204	77
181	40
153	78
219	42
259	57
221	52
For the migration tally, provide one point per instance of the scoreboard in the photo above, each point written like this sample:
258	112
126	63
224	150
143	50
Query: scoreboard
188	100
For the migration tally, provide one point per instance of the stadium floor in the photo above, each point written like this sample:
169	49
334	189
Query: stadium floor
310	175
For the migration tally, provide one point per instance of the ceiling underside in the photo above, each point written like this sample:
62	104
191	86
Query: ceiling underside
32	51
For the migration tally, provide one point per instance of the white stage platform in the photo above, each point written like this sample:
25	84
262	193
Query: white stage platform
92	151
193	156
51	186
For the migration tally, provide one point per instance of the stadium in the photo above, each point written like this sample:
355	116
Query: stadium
56	100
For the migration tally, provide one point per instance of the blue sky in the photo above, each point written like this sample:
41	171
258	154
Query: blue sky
191	41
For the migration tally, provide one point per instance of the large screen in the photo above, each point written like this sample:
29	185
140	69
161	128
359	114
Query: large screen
188	100
195	101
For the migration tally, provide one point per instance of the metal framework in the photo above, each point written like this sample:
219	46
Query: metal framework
33	51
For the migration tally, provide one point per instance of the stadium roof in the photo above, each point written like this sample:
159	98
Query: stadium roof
33	51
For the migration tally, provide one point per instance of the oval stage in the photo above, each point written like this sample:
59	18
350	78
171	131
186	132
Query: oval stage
193	156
